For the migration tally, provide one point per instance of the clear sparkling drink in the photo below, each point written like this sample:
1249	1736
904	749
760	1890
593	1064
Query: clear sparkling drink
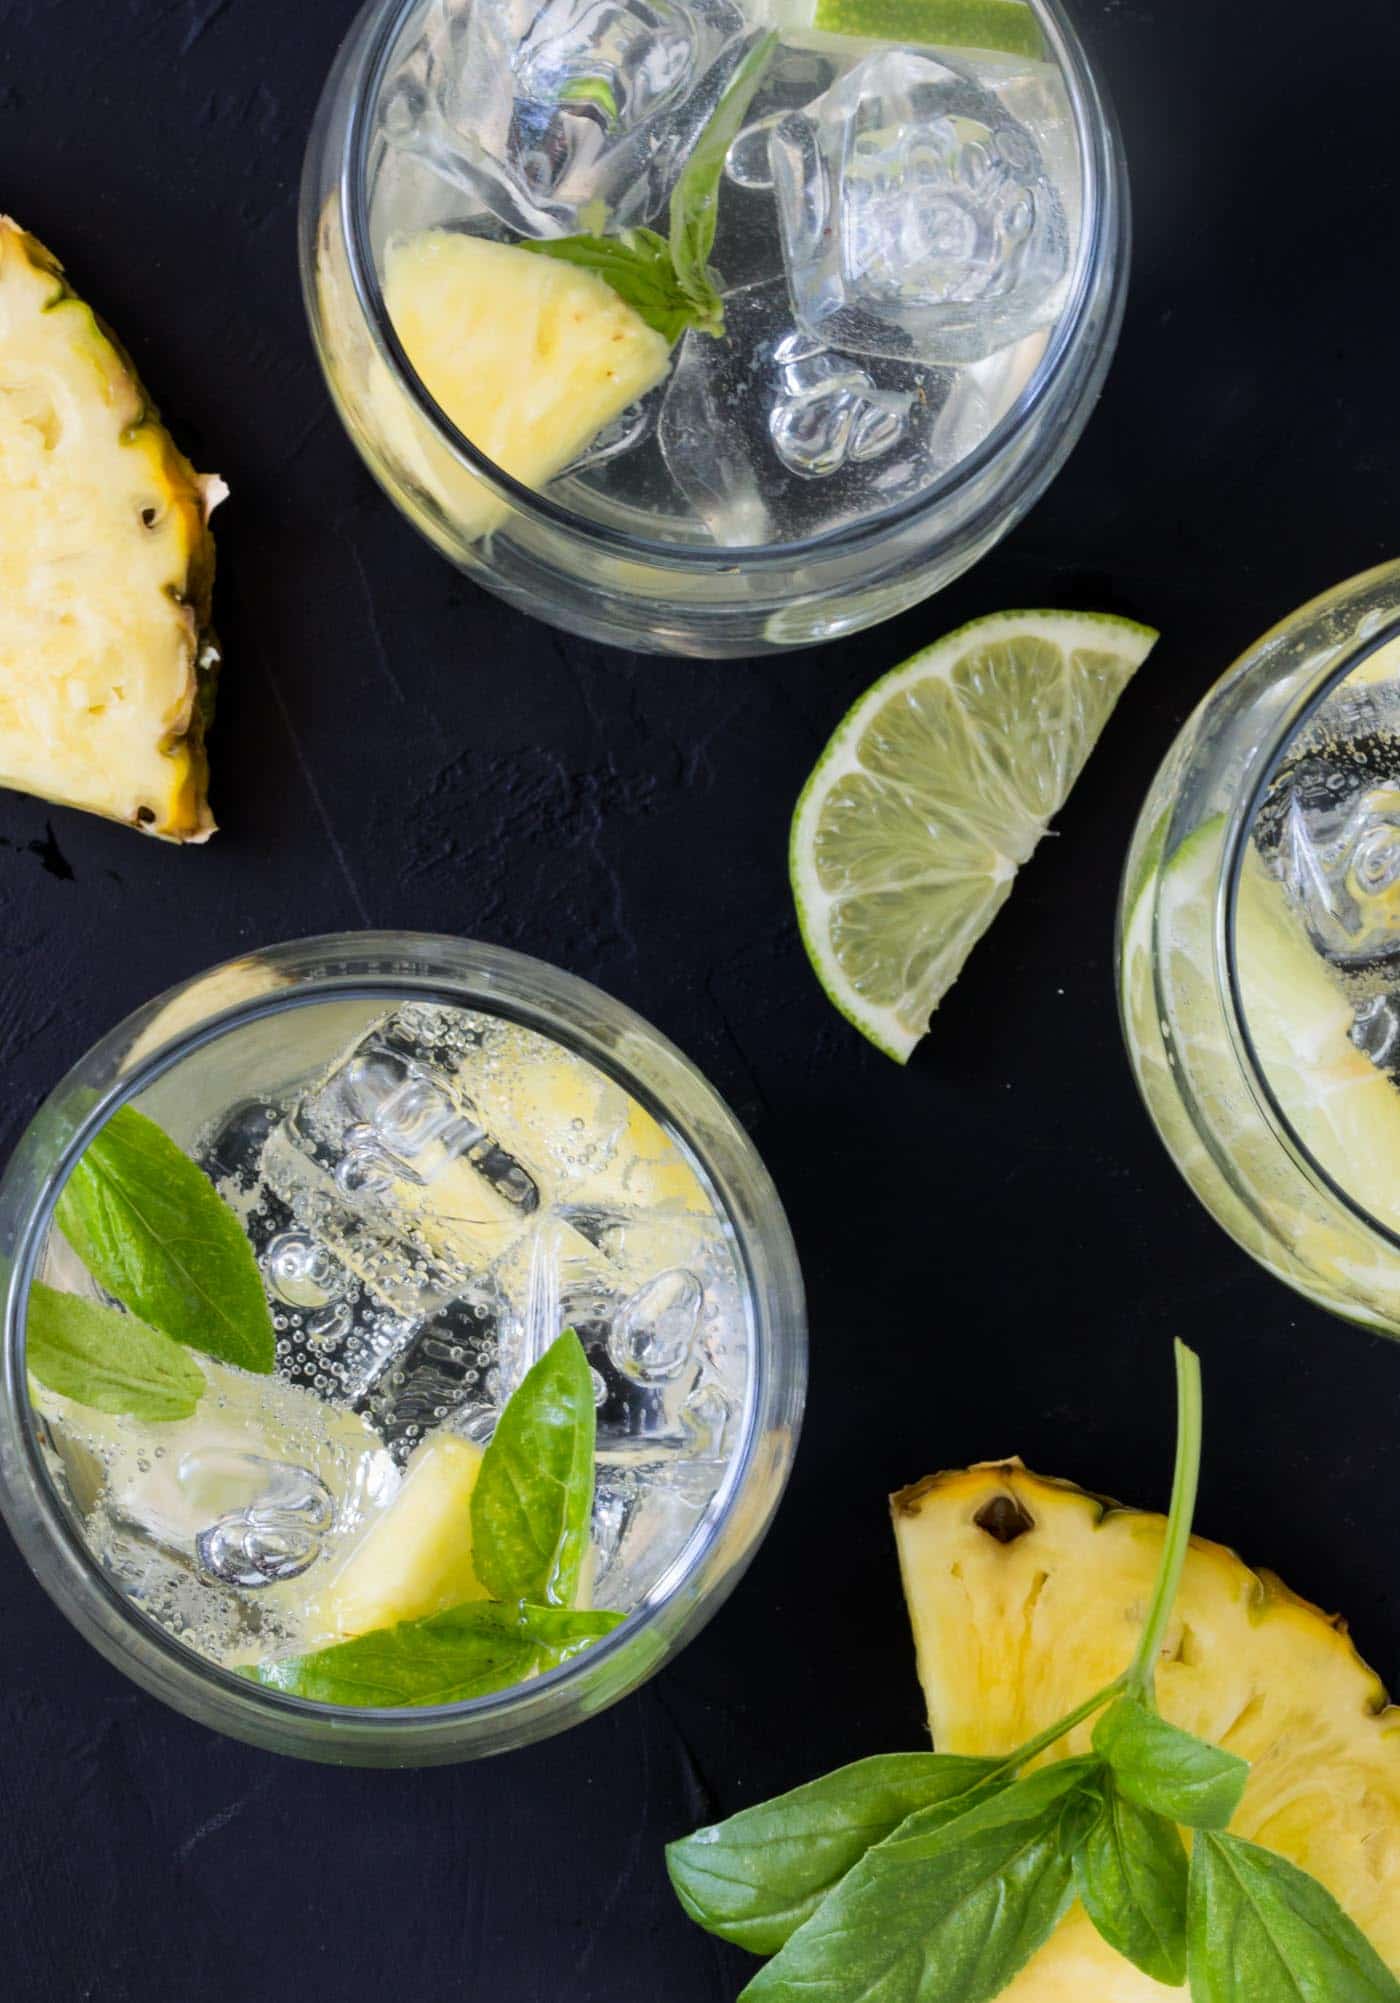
1260	950
432	1193
897	234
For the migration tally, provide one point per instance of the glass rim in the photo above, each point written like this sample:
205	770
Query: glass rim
1101	233
767	1399
1343	662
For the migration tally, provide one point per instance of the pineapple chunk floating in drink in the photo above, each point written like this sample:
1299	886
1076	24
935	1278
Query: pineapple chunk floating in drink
415	1560
107	663
528	357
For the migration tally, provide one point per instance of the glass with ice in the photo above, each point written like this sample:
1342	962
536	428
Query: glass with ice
1260	950
434	1158
709	326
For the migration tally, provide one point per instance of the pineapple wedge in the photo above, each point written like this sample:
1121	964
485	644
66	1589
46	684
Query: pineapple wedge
106	563
529	357
416	1558
1026	1595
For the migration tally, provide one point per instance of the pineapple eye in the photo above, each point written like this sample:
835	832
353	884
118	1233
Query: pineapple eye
149	517
1004	1518
145	815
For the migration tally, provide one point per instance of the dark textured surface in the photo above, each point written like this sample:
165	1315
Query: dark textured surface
997	1250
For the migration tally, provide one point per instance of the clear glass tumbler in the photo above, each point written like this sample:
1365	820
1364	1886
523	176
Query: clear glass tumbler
614	579
1255	940
244	1029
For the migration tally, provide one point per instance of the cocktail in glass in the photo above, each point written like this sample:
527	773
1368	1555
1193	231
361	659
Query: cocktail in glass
1259	950
441	1156
919	258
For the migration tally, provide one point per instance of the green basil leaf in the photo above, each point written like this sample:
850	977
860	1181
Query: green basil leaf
151	1228
469	1651
1159	1766
637	265
533	1500
1259	1930
1130	1873
695	197
106	1359
940	1915
755	1878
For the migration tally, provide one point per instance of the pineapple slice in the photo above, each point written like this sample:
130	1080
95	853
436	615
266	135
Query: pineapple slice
1026	1595
529	357
416	1558
106	563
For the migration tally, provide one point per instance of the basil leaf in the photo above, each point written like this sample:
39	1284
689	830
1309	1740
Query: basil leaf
151	1228
533	1500
1163	1768
755	1878
637	265
444	1658
695	197
108	1360
944	1915
1259	1930
1130	1873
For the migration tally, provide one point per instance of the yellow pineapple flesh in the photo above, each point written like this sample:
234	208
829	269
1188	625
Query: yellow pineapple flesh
529	357
416	1559
1026	1595
106	564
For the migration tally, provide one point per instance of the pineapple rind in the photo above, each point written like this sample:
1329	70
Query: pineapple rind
1011	1636
107	663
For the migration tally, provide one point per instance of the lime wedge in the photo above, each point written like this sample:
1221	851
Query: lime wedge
1004	27
933	791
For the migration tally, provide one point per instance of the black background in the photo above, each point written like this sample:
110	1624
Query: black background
996	1249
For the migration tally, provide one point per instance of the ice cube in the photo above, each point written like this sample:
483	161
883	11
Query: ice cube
260	1483
438	1376
273	1521
653	1334
918	217
388	1164
643	1518
1332	825
574	115
743	416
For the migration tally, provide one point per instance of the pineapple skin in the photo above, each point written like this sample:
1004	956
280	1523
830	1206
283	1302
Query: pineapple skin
142	763
1010	1635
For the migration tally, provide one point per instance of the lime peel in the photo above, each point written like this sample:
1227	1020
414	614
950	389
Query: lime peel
934	789
1003	27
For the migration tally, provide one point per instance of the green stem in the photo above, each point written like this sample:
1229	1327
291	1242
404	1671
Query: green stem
1142	1675
1042	1741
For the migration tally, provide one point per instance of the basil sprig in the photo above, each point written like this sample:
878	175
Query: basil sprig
107	1360
531	1508
151	1227
667	280
444	1658
757	1877
948	1903
532	1504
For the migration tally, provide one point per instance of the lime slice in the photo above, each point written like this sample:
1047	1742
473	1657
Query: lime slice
1005	27
934	790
